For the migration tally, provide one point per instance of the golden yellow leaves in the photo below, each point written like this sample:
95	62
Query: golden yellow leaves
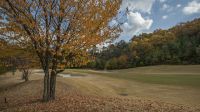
56	27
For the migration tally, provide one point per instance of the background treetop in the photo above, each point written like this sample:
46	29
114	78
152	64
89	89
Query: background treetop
71	25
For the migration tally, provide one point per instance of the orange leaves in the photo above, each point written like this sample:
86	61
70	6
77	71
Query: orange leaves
59	26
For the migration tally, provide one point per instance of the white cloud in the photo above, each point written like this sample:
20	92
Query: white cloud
135	24
164	17
178	5
139	5
167	8
192	8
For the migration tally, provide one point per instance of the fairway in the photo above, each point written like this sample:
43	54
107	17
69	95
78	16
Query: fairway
174	84
166	75
179	80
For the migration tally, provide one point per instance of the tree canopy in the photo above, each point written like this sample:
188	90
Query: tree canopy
55	28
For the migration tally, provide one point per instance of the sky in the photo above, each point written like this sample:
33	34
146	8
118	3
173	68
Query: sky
144	16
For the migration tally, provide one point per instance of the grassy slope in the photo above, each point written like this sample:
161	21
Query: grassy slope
25	97
174	84
167	75
102	86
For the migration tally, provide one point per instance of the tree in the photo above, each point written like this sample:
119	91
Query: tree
23	64
111	64
55	27
177	45
8	64
122	61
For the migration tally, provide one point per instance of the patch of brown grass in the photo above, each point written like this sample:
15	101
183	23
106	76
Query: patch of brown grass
26	97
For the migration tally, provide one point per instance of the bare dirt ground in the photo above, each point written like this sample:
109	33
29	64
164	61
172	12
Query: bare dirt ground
26	97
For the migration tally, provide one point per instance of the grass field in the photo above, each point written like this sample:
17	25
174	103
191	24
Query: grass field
174	84
154	88
166	75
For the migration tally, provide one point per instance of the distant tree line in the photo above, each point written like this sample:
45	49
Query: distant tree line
178	45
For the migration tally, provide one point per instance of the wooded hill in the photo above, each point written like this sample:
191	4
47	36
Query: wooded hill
177	45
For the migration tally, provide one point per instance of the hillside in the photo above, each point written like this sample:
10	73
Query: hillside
177	45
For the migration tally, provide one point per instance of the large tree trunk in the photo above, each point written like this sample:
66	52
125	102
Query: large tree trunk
52	85
46	89
49	80
49	86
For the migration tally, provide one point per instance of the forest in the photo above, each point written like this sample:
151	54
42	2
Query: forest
177	45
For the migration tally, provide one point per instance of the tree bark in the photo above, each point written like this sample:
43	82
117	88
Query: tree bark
26	78
46	89
25	75
49	80
49	86
52	85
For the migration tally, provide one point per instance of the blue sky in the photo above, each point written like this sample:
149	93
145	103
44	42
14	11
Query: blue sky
149	15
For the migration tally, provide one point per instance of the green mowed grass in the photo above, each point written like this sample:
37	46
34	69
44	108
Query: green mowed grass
178	76
180	80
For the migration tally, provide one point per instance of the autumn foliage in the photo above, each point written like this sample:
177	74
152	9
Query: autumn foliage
53	28
177	45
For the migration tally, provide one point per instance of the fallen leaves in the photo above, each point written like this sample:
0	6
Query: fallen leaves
26	97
